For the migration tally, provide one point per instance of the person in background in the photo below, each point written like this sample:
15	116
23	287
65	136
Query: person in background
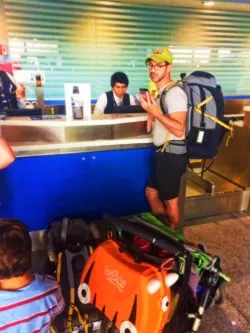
152	89
8	89
170	160
7	155
11	92
28	302
106	102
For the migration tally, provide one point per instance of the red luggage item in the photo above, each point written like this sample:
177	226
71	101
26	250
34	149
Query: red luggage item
142	244
134	296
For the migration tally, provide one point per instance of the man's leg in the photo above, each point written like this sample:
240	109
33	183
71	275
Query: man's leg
172	211
157	206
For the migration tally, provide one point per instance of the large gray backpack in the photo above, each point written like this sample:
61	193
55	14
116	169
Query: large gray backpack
205	126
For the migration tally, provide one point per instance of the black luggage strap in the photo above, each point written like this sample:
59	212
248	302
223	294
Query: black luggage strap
185	262
65	223
203	107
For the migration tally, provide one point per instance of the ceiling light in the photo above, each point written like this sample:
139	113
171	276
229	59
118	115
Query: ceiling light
208	3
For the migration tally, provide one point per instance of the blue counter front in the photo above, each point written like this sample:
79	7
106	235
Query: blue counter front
39	189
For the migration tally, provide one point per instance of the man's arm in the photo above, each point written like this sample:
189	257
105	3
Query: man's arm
174	121
100	104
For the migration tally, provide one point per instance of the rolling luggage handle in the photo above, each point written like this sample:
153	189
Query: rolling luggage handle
211	281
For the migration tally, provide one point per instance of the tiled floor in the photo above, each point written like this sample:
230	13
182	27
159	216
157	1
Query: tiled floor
230	239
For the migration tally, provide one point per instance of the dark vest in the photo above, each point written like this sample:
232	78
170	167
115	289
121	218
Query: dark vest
112	103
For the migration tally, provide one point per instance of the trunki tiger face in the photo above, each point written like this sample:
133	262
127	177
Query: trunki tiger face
134	296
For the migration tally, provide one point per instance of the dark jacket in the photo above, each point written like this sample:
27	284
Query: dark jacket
7	92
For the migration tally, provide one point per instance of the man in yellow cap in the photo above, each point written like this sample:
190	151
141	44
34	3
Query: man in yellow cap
168	120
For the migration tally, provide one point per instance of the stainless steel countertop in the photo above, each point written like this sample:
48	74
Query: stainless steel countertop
59	136
24	149
95	121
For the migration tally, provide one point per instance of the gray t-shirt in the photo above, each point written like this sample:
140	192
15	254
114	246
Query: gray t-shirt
175	101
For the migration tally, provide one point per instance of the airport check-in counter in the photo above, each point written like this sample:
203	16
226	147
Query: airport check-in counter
101	165
77	167
54	136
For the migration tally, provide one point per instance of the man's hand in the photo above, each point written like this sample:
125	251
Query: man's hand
148	103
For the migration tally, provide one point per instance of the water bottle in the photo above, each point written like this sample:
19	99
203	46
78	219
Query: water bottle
39	92
77	104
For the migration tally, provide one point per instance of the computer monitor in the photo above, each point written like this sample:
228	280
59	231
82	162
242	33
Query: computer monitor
128	109
22	112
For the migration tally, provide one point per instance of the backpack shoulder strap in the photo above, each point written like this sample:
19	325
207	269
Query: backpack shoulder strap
69	257
165	91
164	108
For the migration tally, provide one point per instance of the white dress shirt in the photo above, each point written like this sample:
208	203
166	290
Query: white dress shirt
102	102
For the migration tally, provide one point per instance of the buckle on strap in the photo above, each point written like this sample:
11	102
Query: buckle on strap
179	143
158	149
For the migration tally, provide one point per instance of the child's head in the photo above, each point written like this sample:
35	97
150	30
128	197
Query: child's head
15	249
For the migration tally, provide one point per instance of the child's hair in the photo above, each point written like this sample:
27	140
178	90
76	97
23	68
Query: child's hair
15	248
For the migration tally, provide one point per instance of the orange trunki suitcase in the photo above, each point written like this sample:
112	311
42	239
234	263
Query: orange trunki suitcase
134	296
137	292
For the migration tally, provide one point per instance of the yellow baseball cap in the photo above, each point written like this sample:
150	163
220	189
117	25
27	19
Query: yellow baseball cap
160	55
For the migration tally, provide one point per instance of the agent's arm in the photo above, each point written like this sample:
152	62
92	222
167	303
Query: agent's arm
100	104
